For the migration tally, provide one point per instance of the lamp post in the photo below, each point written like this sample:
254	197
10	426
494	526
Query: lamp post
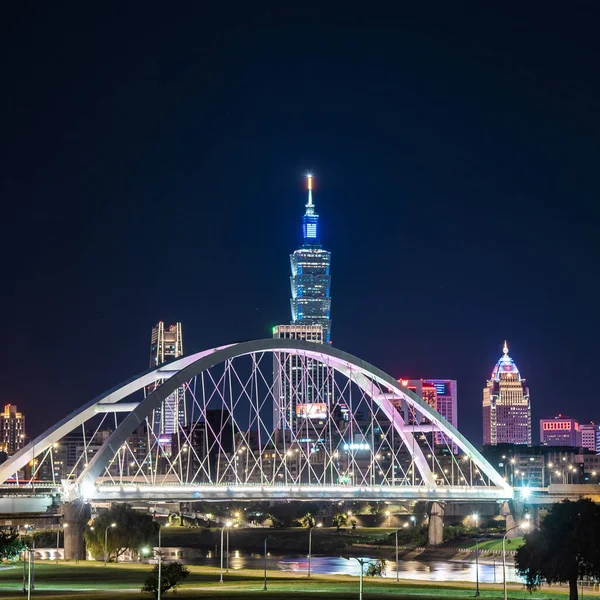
361	562
26	562
475	518
158	592
106	541
228	524
525	526
310	544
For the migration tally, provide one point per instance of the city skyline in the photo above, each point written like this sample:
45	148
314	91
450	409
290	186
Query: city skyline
446	161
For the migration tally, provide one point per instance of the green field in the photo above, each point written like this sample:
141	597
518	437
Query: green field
496	544
116	582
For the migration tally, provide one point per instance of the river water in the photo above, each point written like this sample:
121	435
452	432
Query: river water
427	570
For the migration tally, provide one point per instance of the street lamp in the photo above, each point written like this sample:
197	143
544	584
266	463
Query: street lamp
265	577
27	576
310	544
158	593
525	526
106	541
475	518
397	564
226	526
159	559
361	562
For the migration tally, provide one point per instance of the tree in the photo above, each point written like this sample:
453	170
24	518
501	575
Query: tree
564	548
340	520
133	530
11	545
172	574
307	520
376	569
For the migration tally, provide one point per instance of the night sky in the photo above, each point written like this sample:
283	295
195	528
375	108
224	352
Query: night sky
152	168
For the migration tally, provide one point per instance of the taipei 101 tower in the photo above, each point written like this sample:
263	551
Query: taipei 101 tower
311	279
303	387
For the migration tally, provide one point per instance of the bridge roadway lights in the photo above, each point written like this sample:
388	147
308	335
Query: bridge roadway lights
436	524
75	516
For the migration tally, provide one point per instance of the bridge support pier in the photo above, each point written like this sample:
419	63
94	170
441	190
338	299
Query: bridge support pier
75	516
436	524
506	510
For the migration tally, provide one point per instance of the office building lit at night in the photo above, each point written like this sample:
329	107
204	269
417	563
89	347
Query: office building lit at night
303	387
588	433
440	394
12	429
560	431
311	280
166	344
506	405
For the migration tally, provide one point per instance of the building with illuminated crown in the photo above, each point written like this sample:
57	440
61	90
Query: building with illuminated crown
166	344
311	280
303	387
12	429
506	406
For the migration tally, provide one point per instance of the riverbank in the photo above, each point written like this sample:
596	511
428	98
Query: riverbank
377	542
117	582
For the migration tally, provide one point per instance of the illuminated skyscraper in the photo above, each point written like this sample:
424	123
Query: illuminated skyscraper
506	406
311	279
303	387
167	345
12	429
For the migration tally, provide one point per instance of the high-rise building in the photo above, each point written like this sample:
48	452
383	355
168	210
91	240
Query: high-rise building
588	435
12	429
311	279
560	431
446	403
440	394
303	387
167	345
506	406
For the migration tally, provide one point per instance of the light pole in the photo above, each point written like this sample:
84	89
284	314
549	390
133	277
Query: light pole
310	544
26	562
158	592
475	518
228	524
361	562
106	541
525	526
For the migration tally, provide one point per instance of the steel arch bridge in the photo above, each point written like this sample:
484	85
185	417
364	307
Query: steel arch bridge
267	419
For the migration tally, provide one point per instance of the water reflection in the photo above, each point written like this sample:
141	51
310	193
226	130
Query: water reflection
426	570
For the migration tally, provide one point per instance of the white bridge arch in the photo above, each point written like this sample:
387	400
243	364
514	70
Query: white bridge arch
376	440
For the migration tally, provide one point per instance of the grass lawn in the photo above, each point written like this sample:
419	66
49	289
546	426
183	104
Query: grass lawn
514	544
116	582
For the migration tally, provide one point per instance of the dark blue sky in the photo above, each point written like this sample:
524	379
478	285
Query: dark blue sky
152	163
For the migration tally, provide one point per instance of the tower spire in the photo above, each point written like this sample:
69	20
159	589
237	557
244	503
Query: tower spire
505	348
309	186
